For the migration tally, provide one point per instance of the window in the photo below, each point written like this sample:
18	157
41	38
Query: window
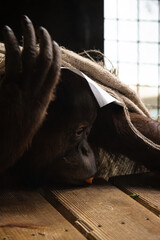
132	44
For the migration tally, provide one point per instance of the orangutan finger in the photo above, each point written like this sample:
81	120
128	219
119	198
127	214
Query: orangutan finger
29	49
13	63
44	60
54	71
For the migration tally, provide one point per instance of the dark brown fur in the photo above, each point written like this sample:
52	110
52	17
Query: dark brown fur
48	141
26	91
112	132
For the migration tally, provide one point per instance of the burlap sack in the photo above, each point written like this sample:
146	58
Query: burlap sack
108	164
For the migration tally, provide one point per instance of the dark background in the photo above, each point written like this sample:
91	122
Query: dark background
75	24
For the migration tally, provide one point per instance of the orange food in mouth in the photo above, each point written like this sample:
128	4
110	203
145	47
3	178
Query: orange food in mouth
89	180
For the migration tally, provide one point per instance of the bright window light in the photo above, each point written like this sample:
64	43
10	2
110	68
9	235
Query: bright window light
132	44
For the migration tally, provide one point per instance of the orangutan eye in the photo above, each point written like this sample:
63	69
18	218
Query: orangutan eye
80	130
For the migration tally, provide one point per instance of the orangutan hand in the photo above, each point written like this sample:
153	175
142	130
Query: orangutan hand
27	89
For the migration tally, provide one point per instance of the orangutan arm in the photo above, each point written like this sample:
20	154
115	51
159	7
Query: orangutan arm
26	90
112	132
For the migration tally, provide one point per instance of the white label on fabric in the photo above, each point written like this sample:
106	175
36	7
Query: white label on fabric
103	98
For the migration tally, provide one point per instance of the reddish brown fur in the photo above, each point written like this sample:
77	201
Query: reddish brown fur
47	141
112	132
26	91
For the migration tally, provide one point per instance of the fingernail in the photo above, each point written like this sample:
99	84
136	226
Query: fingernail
40	31
55	43
25	20
6	29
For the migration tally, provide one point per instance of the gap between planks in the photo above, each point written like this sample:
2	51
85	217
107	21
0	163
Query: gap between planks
26	215
103	212
145	187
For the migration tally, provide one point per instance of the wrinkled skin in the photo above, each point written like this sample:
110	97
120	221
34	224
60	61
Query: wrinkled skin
60	151
26	90
50	123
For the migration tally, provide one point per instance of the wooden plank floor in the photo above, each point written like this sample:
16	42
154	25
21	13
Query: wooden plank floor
145	188
27	215
101	211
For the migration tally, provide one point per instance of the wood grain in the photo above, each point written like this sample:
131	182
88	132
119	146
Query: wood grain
146	186
27	215
104	212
